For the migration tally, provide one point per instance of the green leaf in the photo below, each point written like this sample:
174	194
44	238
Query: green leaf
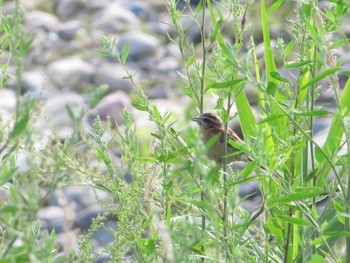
277	75
271	118
300	195
102	156
316	259
20	126
224	84
269	58
215	33
168	185
156	113
312	31
125	53
106	42
8	154
336	234
315	113
335	134
271	88
97	95
274	6
321	76
297	64
70	113
147	159
340	2
150	247
294	220
6	177
8	209
25	46
139	106
246	115
289	47
338	43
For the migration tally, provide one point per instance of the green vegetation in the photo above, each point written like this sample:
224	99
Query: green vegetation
179	206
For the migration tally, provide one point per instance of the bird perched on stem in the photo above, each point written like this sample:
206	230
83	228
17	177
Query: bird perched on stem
214	129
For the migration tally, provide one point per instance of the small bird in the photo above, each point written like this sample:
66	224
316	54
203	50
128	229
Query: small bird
213	126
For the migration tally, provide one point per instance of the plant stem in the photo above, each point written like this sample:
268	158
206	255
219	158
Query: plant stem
201	105
224	172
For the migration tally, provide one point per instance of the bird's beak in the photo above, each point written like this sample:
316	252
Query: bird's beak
196	119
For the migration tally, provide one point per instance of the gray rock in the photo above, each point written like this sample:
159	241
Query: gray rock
67	31
44	47
115	19
56	108
168	64
37	84
140	9
7	104
7	100
69	8
4	193
57	225
50	213
70	72
104	236
141	45
84	218
112	105
66	242
158	91
39	19
322	123
112	75
91	196
96	5
103	258
159	6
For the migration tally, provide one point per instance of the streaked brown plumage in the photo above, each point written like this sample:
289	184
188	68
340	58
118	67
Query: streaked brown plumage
213	126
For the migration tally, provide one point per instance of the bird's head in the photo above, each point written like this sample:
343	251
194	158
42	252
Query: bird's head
208	120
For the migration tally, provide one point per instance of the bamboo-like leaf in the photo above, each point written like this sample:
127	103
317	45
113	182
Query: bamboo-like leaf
139	106
246	115
125	53
297	64
8	209
225	84
277	75
20	126
336	130
321	76
289	47
312	31
315	113
274	6
337	234
6	177
269	59
294	220
271	118
341	2
10	151
316	259
304	193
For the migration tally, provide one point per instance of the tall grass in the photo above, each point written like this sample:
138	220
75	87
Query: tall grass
296	168
179	206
